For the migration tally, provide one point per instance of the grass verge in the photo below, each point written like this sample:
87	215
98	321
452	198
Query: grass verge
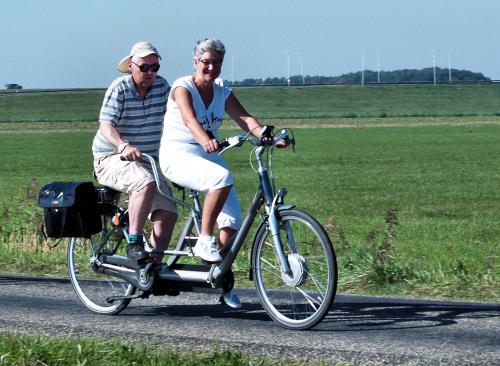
20	350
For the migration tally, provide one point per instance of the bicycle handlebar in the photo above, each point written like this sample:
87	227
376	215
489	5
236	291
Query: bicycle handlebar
267	139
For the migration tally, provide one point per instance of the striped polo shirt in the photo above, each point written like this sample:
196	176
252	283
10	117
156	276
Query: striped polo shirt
138	120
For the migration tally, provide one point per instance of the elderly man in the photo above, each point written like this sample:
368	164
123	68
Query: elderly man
130	124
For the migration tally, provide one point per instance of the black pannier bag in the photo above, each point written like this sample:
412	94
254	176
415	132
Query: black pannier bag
70	209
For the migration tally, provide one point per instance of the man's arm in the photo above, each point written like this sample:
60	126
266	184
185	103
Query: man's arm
110	133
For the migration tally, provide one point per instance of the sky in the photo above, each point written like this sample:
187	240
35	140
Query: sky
78	43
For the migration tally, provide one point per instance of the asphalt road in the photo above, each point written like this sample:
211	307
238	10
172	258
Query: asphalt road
359	329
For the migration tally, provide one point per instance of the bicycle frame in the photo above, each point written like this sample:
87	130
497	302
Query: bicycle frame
264	195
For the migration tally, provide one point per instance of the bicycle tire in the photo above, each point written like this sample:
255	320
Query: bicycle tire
94	288
302	300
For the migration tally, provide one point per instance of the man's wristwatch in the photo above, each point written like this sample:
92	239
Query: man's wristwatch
122	147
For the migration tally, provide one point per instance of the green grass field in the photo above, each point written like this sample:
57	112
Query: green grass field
284	103
411	203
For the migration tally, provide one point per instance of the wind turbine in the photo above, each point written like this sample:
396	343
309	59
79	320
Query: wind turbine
434	65
288	67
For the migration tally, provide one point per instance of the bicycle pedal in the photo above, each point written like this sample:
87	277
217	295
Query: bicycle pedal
145	261
185	253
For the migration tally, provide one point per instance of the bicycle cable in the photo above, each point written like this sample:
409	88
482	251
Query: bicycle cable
251	163
269	153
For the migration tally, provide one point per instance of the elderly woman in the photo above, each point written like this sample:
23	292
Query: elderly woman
189	146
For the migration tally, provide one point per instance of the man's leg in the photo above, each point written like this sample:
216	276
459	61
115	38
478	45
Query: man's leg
163	226
139	207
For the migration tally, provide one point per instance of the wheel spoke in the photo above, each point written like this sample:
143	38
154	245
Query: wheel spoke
269	264
321	289
309	299
273	273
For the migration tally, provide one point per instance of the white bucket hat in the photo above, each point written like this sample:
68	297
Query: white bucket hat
140	49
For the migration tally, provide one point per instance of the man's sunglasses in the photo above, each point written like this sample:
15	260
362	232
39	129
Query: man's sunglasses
147	67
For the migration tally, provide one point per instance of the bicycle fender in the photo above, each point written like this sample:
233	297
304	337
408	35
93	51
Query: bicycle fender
284	207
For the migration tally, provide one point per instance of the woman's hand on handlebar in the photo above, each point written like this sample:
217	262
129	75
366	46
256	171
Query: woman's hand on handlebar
281	144
267	138
285	139
211	146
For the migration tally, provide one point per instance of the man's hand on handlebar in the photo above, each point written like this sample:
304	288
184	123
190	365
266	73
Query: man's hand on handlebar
131	153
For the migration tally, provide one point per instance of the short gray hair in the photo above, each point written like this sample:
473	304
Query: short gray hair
209	45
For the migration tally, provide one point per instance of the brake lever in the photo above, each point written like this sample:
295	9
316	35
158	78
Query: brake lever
290	141
233	141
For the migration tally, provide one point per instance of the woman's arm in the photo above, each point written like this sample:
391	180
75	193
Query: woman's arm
245	120
184	100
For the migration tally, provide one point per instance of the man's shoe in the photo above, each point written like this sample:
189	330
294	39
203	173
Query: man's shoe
205	249
136	252
230	298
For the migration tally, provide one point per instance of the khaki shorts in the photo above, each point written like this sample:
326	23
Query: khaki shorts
132	176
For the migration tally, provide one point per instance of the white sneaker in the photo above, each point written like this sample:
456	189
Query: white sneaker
205	249
230	298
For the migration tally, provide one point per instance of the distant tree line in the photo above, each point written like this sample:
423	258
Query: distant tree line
425	75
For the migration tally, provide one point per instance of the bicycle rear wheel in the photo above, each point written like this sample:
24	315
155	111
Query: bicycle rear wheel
93	287
302	299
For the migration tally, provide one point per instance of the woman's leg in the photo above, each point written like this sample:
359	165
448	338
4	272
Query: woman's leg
214	201
225	234
229	220
191	167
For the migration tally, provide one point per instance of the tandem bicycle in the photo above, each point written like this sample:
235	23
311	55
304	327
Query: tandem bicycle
292	262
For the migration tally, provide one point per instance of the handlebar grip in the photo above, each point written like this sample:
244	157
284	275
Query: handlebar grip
223	144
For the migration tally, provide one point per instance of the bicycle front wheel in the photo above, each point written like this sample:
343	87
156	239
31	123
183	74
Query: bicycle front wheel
93	287
301	299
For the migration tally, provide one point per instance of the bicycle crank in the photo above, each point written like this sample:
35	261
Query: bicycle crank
145	277
112	299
